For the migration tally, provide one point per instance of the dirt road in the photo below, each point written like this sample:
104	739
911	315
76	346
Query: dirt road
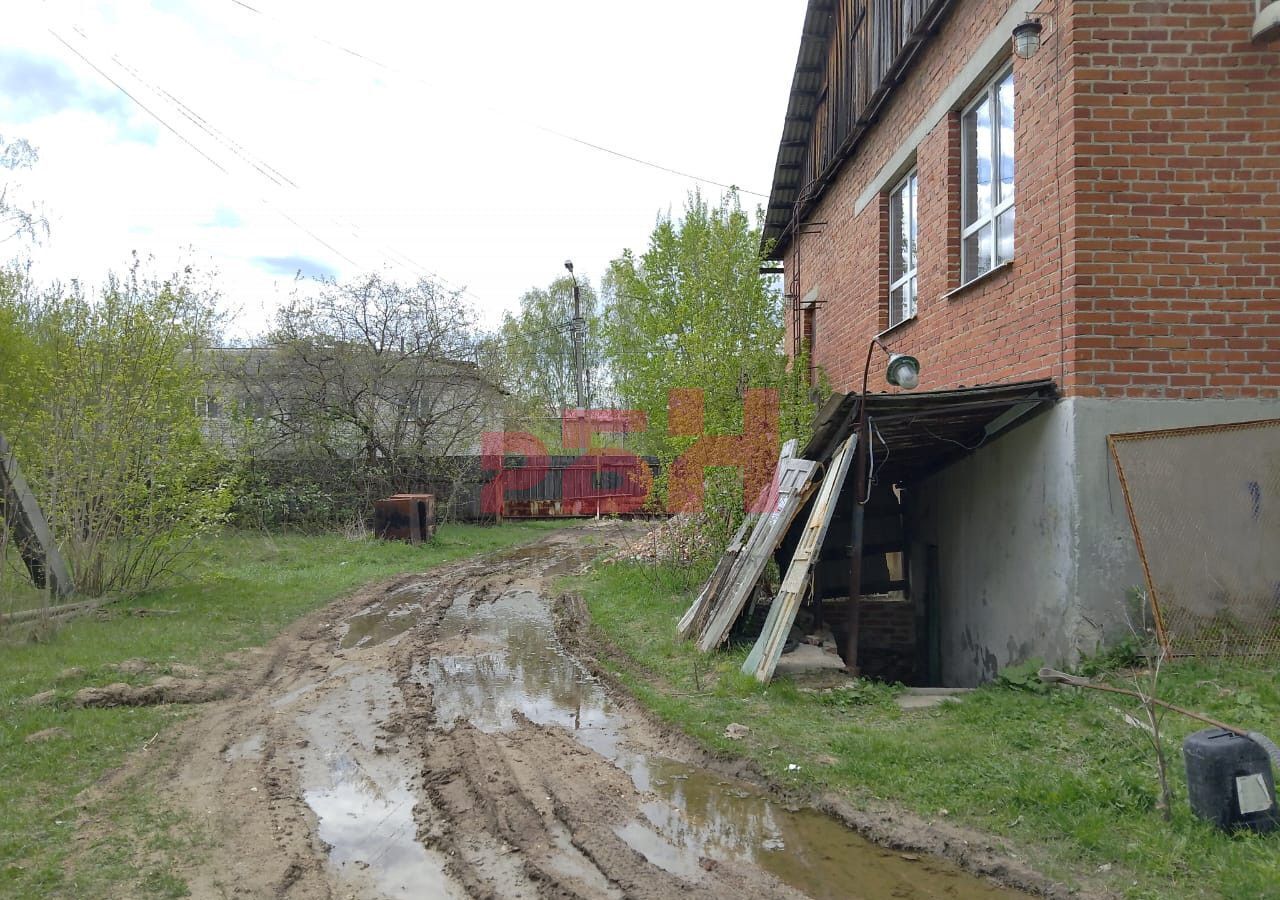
433	738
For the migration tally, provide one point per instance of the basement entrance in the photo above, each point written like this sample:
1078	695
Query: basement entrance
898	605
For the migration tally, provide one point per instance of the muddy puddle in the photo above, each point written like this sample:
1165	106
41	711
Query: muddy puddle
378	623
500	657
364	800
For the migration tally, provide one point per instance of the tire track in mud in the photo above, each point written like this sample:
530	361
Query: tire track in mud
431	737
520	787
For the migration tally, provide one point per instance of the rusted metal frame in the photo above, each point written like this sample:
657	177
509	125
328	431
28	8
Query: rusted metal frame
763	658
1192	430
1052	676
1168	617
1161	632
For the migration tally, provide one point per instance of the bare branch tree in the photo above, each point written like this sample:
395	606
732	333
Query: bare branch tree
16	221
374	372
1146	684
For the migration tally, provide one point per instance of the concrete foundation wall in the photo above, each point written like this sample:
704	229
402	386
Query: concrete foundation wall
1002	522
1035	551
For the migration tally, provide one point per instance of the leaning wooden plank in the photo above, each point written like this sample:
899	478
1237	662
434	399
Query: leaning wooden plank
758	531
695	619
70	609
763	658
793	490
35	540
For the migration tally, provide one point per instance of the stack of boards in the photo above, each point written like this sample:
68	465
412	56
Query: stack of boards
734	580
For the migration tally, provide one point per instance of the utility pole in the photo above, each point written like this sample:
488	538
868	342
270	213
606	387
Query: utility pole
577	327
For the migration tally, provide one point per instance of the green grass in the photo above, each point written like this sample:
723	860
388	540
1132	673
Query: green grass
1058	775
17	593
244	590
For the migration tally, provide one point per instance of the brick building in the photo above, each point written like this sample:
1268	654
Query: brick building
1103	214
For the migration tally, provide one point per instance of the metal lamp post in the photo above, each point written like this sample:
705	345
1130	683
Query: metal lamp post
576	328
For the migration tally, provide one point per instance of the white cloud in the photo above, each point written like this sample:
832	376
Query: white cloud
437	162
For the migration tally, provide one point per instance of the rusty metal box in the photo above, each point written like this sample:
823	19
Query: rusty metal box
405	517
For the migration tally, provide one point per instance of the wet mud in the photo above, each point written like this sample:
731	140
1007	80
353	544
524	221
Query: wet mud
434	738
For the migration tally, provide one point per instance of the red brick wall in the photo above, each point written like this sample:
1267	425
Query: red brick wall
887	647
1148	229
1177	214
1005	327
887	641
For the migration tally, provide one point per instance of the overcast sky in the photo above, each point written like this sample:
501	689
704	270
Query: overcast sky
339	137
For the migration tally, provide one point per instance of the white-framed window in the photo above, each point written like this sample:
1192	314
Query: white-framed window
987	160
903	229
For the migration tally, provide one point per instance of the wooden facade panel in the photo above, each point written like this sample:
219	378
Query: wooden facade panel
866	38
857	54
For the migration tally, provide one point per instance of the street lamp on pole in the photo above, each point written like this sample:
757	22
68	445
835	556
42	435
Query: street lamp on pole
903	371
576	327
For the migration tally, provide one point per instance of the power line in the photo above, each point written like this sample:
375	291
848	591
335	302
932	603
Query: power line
264	168
268	171
140	104
644	162
536	125
149	111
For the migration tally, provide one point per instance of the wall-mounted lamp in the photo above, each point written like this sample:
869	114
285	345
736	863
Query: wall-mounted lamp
1026	38
903	371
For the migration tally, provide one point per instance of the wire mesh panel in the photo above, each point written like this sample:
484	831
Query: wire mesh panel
1205	508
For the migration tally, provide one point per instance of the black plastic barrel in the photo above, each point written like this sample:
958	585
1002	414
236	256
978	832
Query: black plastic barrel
1229	781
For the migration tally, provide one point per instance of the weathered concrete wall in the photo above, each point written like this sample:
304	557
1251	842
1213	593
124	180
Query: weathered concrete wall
1002	522
1035	549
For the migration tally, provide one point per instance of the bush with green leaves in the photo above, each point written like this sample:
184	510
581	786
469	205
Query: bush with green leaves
104	420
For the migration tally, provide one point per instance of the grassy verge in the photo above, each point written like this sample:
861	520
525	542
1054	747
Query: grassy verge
1059	775
245	589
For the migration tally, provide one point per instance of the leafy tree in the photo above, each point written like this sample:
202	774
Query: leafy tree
19	365
533	352
372	376
693	311
374	368
106	425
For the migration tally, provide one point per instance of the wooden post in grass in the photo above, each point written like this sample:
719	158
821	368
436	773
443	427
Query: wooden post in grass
26	522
